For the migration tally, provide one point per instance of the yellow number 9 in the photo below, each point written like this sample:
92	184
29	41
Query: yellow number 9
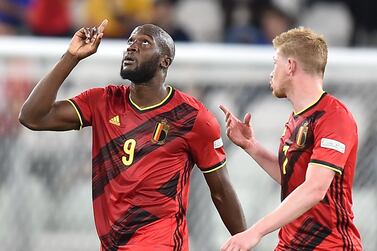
129	149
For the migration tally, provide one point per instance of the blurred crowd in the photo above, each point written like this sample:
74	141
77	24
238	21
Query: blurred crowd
343	22
55	170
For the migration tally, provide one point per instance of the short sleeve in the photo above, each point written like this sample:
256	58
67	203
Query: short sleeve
206	145
83	104
335	135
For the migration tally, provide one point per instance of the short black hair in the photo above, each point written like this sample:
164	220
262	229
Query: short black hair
163	39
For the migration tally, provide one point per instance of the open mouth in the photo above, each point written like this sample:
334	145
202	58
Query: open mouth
128	61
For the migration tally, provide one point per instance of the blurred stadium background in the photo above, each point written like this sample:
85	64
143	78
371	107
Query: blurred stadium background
223	57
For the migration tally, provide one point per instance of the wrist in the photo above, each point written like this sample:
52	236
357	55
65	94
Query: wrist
250	146
70	57
256	230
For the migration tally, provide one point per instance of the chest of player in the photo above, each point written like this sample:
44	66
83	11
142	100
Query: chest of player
296	144
135	135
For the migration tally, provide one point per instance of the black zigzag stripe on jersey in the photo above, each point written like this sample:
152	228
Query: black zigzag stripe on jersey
345	215
107	164
342	222
187	171
124	228
334	193
309	236
294	156
179	216
177	236
169	189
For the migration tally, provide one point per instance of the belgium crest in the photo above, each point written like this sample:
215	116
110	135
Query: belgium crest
302	134
160	132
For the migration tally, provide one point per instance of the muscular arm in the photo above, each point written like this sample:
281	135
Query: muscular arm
304	197
41	111
225	199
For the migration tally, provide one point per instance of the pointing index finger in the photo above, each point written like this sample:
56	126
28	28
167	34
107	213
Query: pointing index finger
102	26
224	109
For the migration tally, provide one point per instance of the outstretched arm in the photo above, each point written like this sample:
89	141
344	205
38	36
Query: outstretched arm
317	182
241	134
41	111
226	201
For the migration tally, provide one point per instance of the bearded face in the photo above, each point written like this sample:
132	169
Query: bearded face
279	82
139	70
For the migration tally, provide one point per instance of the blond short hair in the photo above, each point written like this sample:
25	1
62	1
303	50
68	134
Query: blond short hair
304	45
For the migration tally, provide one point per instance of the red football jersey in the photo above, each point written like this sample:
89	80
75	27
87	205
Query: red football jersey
326	134
142	162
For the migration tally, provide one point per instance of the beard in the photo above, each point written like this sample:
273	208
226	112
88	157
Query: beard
143	72
279	93
279	90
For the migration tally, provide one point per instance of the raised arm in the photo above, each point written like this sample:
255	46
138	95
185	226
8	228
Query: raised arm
226	201
241	134
41	111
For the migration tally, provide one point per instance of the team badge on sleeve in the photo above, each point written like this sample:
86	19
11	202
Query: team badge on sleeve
160	132
333	144
217	143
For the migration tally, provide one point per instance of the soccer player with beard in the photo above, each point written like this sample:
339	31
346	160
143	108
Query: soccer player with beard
316	162
147	137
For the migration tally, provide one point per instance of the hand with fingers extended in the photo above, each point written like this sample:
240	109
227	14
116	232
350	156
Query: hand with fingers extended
85	42
239	132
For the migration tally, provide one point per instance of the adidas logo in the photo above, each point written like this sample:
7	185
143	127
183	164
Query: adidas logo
115	120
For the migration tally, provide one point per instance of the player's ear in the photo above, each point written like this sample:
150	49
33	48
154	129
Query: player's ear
291	66
165	62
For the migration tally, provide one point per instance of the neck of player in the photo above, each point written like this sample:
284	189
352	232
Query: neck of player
148	95
305	92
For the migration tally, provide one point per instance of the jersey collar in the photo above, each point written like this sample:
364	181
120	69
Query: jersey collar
151	107
310	106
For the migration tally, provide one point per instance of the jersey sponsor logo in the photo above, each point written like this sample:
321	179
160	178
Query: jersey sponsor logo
333	144
302	134
115	120
160	132
218	143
